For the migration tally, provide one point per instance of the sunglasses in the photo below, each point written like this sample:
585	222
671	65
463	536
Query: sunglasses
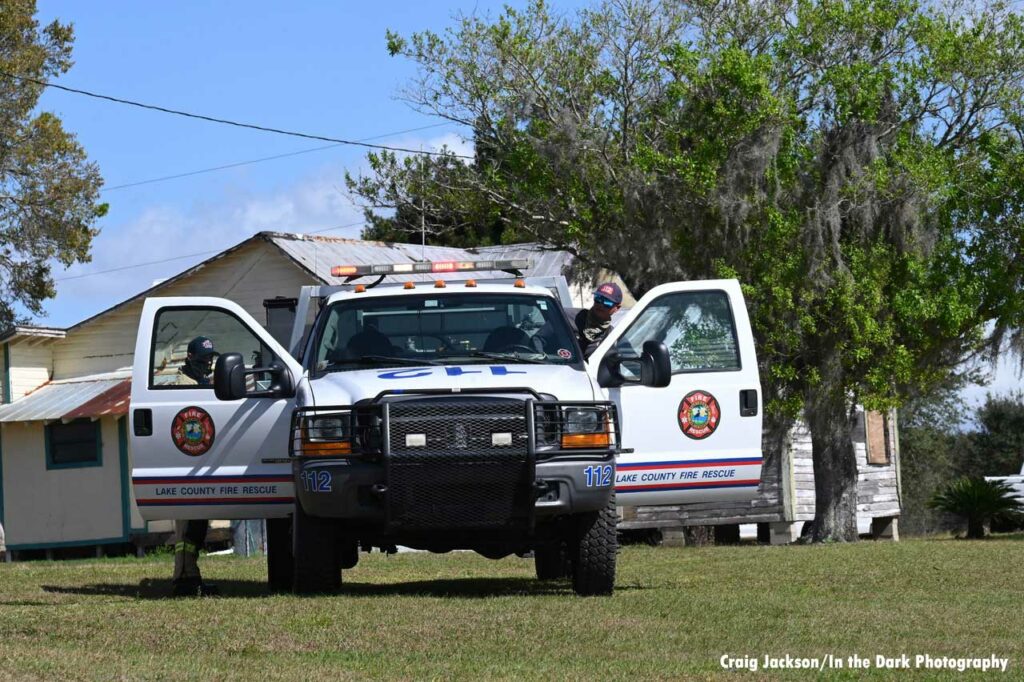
606	302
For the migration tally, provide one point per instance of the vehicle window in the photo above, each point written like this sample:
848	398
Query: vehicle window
696	326
207	333
446	329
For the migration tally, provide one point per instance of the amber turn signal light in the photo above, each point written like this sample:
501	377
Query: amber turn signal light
585	440
330	449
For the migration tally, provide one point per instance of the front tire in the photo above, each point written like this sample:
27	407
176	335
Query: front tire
317	560
593	551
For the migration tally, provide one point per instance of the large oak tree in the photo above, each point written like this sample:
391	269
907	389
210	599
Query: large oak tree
857	164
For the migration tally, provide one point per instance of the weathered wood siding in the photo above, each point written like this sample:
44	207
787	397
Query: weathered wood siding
878	492
31	366
255	272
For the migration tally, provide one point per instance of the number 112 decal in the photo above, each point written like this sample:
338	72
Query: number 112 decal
598	476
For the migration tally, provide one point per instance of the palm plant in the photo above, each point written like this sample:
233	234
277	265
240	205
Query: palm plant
977	500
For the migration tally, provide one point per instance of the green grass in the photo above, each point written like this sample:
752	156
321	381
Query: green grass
675	612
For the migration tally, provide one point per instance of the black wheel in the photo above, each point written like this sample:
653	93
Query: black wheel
317	563
280	561
551	560
593	551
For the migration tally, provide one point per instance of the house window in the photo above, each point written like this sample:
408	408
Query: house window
74	444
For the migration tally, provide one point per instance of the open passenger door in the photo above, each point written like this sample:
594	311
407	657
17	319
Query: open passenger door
194	456
699	439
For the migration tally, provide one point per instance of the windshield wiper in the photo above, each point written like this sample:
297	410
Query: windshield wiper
381	359
512	355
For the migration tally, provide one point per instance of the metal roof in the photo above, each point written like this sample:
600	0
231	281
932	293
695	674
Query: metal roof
112	402
66	400
319	254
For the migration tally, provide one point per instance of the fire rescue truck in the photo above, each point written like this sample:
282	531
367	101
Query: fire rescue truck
445	415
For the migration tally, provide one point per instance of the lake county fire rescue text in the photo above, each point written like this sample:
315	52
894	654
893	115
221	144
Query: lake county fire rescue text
427	409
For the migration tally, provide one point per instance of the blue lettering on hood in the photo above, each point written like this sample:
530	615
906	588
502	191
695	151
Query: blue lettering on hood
404	374
459	371
496	370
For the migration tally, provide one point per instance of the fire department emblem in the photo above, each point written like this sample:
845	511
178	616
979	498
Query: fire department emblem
699	415
192	431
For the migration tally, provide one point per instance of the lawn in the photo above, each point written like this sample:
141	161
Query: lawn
676	611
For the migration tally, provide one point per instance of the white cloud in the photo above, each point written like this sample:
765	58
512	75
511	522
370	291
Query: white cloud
167	233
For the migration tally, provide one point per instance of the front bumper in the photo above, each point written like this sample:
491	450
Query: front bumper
439	463
358	490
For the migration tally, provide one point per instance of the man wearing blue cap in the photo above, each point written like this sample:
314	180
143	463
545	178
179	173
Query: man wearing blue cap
593	323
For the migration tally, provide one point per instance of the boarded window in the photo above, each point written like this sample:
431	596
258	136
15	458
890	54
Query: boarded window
875	437
75	444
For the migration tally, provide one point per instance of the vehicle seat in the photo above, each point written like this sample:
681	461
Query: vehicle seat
370	341
504	338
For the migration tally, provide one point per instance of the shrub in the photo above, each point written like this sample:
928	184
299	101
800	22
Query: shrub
977	500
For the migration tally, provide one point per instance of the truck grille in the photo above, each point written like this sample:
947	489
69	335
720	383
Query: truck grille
458	463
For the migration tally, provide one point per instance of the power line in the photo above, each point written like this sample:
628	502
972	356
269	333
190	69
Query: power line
190	255
224	121
265	158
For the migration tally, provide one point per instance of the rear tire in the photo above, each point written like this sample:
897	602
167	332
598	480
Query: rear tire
593	551
280	560
551	560
317	561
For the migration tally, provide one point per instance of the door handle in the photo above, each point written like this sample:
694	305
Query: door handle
142	422
748	403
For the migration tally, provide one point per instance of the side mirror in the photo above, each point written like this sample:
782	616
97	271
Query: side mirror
609	374
229	377
282	385
655	365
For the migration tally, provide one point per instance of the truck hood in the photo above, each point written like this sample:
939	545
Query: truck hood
346	388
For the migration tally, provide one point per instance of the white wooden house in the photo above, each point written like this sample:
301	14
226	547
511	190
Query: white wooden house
64	453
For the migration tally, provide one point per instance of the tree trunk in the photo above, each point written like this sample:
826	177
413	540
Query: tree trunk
835	466
975	528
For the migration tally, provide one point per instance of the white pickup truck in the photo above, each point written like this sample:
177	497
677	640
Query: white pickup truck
442	416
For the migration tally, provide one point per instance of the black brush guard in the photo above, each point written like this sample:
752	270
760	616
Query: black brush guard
455	460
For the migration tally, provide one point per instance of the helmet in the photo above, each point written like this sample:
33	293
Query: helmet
200	359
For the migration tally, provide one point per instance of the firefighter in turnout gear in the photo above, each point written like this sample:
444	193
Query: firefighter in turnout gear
190	536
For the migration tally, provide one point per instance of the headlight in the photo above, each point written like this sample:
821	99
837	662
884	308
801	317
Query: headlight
579	420
326	437
585	428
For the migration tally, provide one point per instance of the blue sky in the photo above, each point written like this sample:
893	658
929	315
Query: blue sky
313	66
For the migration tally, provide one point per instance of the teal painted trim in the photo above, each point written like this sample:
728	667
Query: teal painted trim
122	454
1	475
98	462
7	373
68	543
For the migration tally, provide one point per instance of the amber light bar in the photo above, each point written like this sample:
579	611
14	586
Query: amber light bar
428	267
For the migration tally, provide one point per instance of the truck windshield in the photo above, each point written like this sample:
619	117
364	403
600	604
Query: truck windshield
444	329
